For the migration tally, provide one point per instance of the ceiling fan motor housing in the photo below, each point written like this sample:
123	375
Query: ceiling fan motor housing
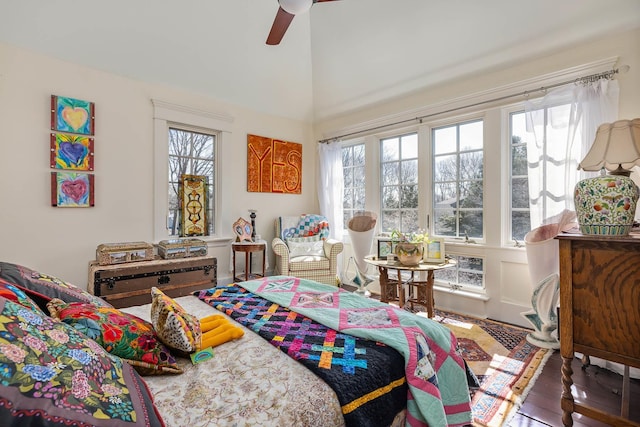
296	7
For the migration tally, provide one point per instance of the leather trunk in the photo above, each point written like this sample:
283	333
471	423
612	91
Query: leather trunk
130	284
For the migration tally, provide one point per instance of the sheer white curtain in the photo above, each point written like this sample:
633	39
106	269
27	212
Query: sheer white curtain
561	127
330	184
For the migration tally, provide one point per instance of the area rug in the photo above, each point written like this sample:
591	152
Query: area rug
504	362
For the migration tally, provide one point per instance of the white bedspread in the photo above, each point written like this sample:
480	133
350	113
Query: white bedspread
247	383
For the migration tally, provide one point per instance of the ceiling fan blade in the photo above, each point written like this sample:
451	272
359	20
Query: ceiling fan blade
279	27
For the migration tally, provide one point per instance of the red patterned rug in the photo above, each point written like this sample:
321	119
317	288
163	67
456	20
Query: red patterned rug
503	360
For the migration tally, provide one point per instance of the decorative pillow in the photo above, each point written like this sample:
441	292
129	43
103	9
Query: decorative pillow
121	334
42	288
305	246
176	328
313	225
16	295
53	375
303	226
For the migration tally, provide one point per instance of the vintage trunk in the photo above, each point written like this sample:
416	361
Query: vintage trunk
182	248
119	253
130	284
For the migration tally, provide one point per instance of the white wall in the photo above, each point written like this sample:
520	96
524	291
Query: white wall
507	281
625	45
61	241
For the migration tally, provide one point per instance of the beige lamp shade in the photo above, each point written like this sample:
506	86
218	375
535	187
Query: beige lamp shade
616	145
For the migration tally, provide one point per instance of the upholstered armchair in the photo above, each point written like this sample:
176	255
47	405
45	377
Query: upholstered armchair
303	248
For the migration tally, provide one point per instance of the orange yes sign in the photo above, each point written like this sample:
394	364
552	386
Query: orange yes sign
273	166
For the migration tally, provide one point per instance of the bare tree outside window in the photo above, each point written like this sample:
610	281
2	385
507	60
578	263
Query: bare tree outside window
520	211
190	153
399	183
458	190
353	164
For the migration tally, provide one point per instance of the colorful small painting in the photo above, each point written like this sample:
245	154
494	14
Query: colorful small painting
386	247
193	203
273	166
72	115
435	250
72	190
73	152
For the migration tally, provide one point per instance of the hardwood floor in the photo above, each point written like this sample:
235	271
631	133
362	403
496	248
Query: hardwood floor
599	387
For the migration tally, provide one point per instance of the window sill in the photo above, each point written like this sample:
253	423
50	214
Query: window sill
217	241
462	293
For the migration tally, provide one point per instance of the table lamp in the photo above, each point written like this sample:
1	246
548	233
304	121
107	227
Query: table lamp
606	204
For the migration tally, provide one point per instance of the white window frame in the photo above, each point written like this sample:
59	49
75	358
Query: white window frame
212	182
508	223
399	134
457	153
350	144
166	115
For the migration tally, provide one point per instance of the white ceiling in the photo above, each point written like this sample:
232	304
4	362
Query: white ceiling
341	56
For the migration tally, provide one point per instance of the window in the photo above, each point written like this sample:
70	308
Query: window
467	273
191	153
353	163
399	182
520	212
191	141
542	161
458	180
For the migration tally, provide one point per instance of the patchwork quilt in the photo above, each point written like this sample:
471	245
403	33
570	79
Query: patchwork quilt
437	392
367	377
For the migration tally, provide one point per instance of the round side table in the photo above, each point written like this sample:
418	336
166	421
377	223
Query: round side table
419	289
248	248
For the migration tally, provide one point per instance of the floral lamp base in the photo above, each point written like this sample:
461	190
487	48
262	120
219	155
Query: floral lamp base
606	205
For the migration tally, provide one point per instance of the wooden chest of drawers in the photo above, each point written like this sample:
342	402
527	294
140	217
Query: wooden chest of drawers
599	313
130	284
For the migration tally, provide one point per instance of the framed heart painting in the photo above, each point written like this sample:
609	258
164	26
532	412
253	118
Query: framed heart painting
71	149
73	152
72	189
72	115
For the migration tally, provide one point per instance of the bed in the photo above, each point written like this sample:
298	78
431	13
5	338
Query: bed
249	381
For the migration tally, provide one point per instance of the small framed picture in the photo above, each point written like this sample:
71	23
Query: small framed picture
242	228
435	250
385	247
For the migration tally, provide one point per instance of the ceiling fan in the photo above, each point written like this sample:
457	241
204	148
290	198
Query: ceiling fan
288	9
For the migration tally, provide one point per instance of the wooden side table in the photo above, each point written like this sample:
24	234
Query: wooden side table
419	290
248	248
599	312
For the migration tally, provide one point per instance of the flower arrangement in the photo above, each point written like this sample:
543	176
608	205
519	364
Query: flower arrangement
421	236
410	246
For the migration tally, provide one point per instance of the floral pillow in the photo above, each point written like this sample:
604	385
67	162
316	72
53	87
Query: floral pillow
42	288
53	375
176	328
121	334
12	293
